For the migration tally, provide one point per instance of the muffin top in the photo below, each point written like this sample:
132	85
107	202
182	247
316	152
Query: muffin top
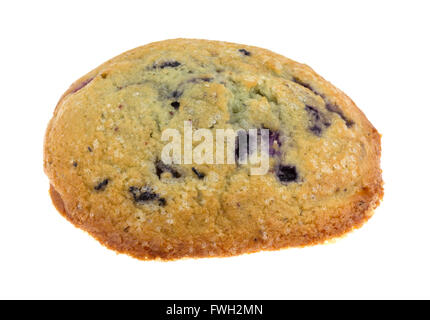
104	146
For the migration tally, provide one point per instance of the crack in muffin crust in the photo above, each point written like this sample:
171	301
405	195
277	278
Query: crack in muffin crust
103	146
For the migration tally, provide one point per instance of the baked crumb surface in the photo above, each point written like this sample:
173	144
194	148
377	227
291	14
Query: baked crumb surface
103	146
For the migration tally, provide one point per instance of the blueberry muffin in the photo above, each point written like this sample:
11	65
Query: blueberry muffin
103	146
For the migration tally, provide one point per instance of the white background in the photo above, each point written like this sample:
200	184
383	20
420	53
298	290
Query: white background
376	51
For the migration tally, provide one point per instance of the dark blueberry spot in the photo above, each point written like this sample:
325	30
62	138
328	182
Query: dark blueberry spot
201	79
317	119
145	194
89	149
286	173
200	175
316	130
82	84
330	107
313	113
167	64
160	167
75	164
177	94
307	86
245	52
162	202
335	109
175	104
142	194
102	185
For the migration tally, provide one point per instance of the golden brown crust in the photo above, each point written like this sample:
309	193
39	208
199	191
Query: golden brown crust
236	222
362	212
